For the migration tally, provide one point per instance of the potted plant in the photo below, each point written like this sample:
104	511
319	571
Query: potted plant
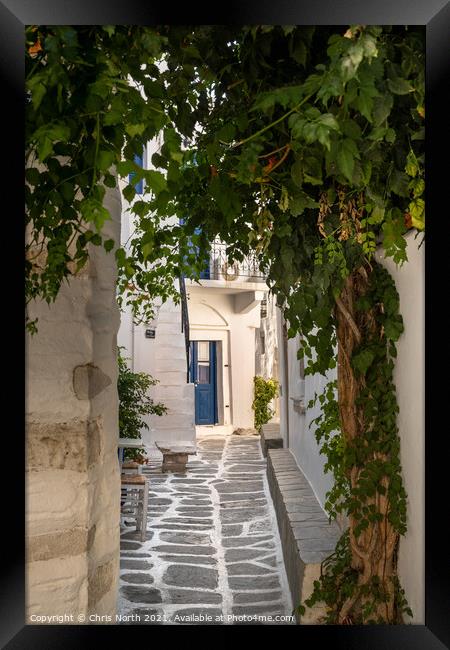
134	404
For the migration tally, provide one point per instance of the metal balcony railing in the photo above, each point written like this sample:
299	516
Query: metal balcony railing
185	322
219	267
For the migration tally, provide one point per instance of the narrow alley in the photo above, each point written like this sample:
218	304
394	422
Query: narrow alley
224	260
213	552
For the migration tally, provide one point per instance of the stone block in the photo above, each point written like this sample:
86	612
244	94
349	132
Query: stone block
141	594
56	501
270	437
195	576
56	587
57	545
307	537
70	445
100	581
190	596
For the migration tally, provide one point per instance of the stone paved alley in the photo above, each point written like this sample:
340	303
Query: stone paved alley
212	543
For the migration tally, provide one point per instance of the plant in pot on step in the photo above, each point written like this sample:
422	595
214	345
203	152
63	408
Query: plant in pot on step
265	390
134	404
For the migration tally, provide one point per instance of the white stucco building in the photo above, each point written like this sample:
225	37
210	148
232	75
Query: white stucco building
206	354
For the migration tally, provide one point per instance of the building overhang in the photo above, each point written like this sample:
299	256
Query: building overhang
246	295
226	286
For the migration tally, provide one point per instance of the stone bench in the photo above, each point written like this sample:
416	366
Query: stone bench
270	437
175	455
307	537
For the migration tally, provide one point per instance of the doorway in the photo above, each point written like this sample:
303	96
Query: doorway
203	373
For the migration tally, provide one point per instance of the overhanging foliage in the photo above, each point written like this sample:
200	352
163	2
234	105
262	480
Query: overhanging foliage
302	144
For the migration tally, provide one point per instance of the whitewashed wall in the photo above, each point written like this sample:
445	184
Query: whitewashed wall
410	382
302	441
72	471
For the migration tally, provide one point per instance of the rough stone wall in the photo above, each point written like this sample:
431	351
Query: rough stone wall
72	472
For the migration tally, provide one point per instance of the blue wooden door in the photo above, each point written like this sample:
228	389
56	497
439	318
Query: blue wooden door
203	375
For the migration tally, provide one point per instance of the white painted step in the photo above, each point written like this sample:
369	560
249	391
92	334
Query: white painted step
171	378
170	340
180	391
175	352
170	307
177	405
170	365
169	328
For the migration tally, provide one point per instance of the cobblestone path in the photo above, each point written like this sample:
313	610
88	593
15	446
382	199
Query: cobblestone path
212	545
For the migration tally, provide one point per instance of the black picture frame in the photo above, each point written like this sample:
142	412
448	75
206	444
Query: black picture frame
435	15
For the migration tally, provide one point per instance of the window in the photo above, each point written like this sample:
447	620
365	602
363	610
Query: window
139	187
264	308
203	372
203	350
203	362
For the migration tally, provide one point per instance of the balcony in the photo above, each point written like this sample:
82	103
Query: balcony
219	267
244	279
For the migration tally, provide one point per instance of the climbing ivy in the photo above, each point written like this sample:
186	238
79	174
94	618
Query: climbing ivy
86	119
303	145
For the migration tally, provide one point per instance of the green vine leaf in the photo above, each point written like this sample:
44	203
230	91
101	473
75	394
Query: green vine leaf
399	86
347	152
156	181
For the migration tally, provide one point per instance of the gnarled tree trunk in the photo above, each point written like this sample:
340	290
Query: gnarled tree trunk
373	550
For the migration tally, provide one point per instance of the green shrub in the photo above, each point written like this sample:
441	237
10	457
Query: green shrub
134	403
264	391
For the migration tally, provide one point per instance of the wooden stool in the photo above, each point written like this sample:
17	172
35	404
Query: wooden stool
131	467
134	500
175	455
